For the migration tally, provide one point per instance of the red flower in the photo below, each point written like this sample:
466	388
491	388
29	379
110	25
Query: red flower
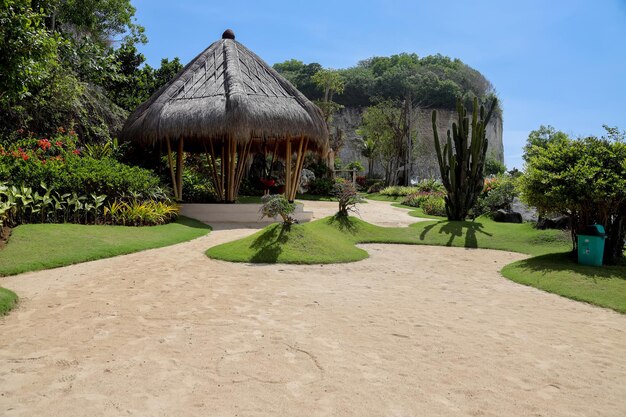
60	129
58	143
44	144
76	152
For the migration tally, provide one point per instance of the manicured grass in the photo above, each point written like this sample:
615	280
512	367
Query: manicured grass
380	197
34	247
8	300
330	240
559	273
319	242
417	212
486	234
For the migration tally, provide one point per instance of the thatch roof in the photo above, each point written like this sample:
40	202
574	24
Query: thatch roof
226	91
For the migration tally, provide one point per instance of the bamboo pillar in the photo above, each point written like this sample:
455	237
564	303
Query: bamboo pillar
171	165
222	170
179	169
299	165
288	169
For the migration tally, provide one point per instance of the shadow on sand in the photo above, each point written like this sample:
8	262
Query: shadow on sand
457	230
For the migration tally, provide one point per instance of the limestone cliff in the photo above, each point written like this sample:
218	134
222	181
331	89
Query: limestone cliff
424	160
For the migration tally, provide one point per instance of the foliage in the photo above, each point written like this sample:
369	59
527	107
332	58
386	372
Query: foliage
386	126
28	52
493	167
8	300
540	138
434	205
376	187
418	198
347	197
498	193
21	205
57	162
277	205
462	159
355	165
584	179
431	81
198	188
399	190
66	244
321	186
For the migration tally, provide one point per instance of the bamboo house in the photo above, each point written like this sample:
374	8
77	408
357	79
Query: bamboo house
228	103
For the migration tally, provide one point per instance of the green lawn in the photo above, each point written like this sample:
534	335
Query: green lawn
8	299
380	197
33	247
559	273
330	241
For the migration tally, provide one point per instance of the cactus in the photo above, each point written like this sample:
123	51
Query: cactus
462	159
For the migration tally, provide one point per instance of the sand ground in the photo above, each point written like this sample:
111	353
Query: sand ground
411	331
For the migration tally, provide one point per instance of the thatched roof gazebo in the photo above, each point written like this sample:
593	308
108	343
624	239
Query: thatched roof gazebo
226	103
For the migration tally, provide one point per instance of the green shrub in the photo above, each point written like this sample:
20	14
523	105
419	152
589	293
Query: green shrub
277	205
321	186
434	205
398	191
498	193
416	199
58	163
375	186
198	188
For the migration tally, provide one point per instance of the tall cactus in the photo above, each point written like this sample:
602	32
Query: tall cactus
462	159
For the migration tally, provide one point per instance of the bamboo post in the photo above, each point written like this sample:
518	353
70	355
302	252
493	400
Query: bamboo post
241	165
232	166
222	169
294	174
212	161
171	165
179	168
300	166
288	168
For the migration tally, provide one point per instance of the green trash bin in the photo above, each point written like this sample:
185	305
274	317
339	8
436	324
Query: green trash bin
591	245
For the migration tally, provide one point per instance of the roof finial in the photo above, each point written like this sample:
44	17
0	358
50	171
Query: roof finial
228	34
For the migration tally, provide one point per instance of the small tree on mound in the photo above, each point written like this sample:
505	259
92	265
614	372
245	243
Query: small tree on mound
277	205
347	196
462	158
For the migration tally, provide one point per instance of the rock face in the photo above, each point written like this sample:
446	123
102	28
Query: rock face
424	160
504	216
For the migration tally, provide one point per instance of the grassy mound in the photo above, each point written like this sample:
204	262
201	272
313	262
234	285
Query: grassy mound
333	240
8	300
320	242
33	247
561	274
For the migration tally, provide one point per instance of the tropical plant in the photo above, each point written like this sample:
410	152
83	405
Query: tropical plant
277	205
462	158
434	205
347	197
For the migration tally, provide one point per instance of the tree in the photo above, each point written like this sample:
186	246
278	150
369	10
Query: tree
462	159
368	151
330	82
28	52
385	124
540	138
493	167
584	179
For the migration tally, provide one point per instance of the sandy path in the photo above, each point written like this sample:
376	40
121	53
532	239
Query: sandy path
381	213
411	331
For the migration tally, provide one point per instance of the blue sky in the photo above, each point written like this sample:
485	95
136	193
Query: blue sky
556	62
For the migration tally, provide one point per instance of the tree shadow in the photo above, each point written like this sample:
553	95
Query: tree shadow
566	262
268	245
343	223
457	229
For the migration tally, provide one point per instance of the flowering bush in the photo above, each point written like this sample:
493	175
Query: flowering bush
59	162
498	193
434	206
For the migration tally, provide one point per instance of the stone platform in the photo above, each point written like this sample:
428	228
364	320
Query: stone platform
236	213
